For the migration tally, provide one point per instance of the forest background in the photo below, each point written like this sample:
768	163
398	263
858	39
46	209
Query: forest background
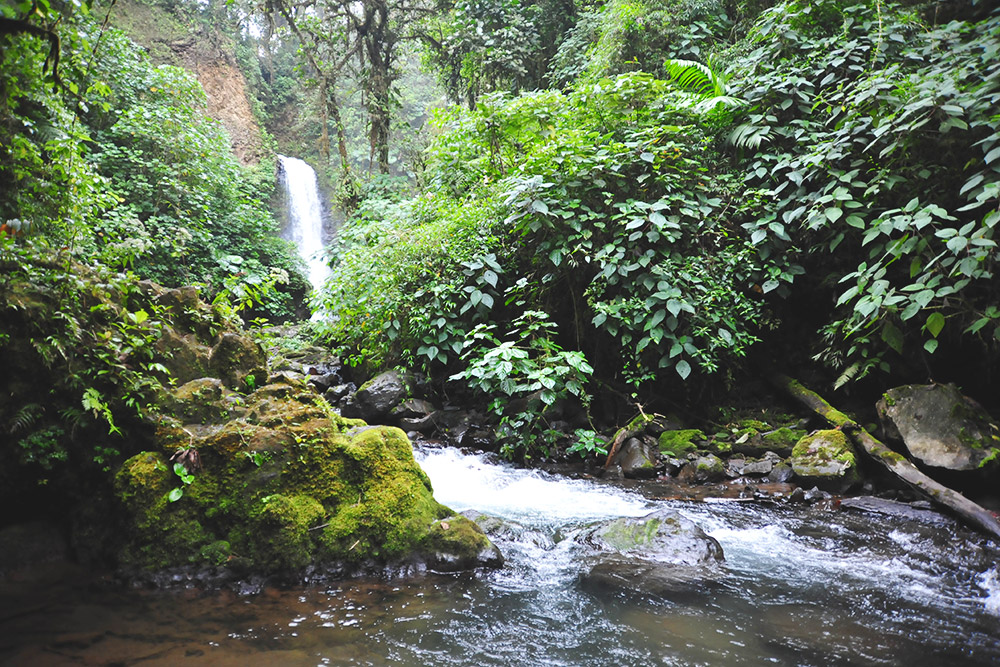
632	202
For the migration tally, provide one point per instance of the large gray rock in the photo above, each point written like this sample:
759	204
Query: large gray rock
661	554
637	459
378	396
940	426
664	536
826	459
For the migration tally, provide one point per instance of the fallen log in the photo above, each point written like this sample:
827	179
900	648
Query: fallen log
972	513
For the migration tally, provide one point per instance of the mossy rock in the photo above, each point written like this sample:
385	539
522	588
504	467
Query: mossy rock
680	442
826	459
308	489
940	427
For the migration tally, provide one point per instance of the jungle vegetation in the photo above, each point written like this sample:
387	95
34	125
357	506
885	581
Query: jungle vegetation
553	198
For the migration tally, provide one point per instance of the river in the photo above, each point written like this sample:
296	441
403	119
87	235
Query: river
800	586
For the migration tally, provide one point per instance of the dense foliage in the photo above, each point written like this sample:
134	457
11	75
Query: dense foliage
831	168
116	159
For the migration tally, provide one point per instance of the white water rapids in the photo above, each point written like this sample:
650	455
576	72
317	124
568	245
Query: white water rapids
305	216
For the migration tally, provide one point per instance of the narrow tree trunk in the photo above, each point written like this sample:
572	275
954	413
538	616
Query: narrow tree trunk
970	512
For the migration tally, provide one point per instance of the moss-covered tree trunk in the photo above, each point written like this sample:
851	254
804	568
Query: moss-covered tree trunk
970	512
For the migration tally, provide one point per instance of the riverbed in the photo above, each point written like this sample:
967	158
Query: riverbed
800	586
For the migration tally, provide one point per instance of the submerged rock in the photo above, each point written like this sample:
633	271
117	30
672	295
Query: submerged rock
827	459
940	426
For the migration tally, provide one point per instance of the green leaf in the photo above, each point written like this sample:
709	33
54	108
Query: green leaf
683	369
931	345
175	494
935	323
893	337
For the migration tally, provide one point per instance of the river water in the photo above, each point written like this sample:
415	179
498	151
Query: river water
800	586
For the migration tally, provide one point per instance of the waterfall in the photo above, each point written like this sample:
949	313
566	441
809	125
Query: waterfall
305	216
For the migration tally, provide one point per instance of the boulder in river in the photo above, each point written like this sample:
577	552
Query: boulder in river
662	554
826	458
940	427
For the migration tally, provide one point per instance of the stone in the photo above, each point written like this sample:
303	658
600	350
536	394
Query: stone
663	536
662	554
826	459
758	468
375	398
708	468
239	361
637	459
894	508
940	427
184	355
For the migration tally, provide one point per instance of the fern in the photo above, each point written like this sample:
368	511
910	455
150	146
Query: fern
703	82
25	418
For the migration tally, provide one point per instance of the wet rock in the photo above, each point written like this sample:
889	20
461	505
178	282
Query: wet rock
336	393
301	487
827	459
759	468
375	398
238	361
940	426
506	532
637	459
324	381
734	467
663	536
702	469
780	473
662	554
909	511
202	401
456	543
188	359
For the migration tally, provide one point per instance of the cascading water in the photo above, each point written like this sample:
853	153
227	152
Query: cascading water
305	216
799	586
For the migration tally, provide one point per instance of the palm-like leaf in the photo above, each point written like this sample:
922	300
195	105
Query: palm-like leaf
702	81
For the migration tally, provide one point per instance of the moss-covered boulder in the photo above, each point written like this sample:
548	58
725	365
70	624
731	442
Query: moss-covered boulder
826	459
285	484
940	426
238	361
680	442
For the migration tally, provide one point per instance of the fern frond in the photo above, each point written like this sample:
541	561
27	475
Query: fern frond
25	418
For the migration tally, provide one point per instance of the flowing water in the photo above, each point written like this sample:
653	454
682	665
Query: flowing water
800	586
305	216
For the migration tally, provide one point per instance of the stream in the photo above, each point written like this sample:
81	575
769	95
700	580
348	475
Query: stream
800	586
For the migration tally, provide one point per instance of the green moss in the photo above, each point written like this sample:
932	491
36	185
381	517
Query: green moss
782	441
626	535
216	553
680	442
281	537
394	507
457	536
891	456
990	458
826	458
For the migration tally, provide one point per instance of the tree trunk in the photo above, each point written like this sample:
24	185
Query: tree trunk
970	512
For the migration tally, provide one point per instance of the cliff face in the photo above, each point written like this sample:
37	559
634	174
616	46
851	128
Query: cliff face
170	39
